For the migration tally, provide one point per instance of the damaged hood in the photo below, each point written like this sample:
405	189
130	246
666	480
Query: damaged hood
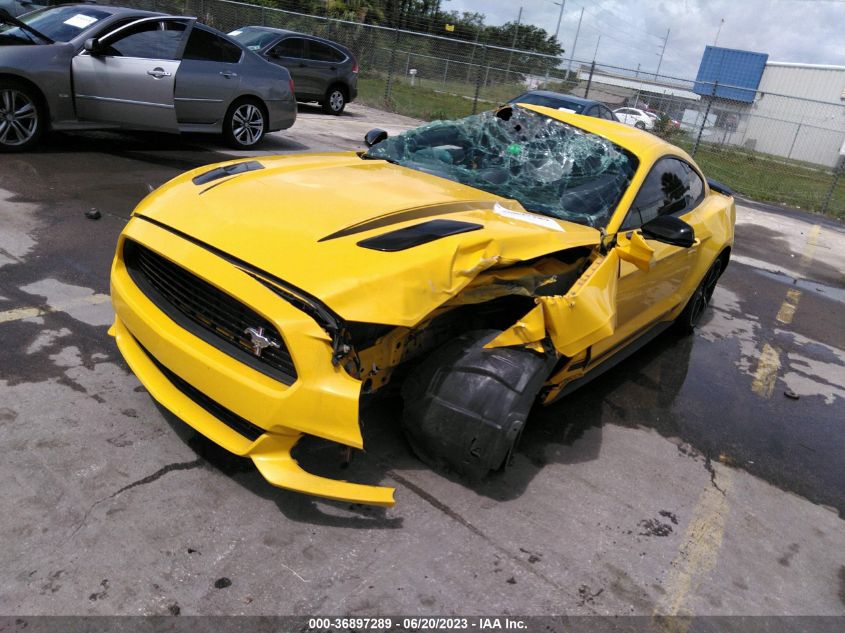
301	219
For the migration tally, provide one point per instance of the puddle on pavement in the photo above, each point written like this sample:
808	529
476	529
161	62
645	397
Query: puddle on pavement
19	224
696	390
81	303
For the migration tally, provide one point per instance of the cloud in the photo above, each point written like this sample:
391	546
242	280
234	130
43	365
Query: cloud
632	31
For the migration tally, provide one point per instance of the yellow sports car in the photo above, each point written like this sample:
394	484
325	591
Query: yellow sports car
486	262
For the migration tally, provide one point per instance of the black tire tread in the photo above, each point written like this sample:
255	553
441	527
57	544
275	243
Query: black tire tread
446	424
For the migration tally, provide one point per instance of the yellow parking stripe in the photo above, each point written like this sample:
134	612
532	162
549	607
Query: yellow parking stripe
767	372
27	313
699	551
810	246
789	306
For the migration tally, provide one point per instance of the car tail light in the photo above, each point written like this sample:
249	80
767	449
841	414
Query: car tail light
354	65
290	85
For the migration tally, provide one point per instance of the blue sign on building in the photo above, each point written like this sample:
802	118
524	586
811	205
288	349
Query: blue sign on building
737	72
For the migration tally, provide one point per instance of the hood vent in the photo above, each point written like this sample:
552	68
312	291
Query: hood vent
228	170
411	236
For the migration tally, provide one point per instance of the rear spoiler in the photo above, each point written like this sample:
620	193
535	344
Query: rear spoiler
718	187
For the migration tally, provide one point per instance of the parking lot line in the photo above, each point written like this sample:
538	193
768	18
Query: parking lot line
789	306
17	314
810	246
699	551
767	372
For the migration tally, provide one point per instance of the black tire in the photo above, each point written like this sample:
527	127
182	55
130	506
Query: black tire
22	116
465	406
700	299
335	100
639	125
245	124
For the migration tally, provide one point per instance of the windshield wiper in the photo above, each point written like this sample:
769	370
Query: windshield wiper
6	17
366	156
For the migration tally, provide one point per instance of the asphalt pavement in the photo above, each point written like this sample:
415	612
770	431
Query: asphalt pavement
704	475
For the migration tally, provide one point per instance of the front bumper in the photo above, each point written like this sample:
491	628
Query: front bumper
323	401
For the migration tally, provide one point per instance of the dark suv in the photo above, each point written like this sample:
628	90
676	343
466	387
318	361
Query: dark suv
322	70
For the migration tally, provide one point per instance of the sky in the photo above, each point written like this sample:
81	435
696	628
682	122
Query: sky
632	32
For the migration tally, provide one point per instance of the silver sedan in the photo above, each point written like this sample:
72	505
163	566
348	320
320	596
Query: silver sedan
78	67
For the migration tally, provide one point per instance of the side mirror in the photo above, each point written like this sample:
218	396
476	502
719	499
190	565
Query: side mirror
669	230
92	46
374	136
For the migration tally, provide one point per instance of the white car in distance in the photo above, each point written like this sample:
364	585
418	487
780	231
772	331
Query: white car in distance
635	117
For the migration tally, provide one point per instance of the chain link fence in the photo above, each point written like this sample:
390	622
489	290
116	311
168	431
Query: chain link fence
767	146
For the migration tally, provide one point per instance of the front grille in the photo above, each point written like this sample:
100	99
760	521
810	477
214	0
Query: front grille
229	418
206	311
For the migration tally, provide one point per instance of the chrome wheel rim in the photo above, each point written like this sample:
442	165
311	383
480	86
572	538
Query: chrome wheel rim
248	124
18	117
336	100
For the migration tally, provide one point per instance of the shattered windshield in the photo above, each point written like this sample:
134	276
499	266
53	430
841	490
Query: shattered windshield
548	166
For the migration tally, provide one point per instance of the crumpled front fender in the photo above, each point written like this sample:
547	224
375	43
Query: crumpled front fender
574	321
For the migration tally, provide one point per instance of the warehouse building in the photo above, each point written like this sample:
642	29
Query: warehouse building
796	111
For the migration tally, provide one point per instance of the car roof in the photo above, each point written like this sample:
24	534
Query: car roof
641	143
273	29
560	95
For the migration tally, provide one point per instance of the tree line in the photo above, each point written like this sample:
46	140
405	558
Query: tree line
428	16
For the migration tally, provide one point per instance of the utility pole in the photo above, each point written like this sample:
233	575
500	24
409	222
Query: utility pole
516	29
559	16
716	39
513	44
596	52
665	42
574	44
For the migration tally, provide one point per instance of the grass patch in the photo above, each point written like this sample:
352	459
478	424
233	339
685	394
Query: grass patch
768	179
418	101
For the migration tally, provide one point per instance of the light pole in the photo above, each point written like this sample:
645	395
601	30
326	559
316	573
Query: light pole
574	44
513	45
665	42
718	31
559	15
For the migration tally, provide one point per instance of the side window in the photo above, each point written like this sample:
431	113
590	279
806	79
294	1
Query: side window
289	47
592	111
671	188
607	114
323	53
208	47
148	40
110	28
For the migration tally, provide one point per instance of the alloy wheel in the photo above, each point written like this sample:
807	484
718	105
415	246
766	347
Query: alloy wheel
336	100
18	118
704	292
248	124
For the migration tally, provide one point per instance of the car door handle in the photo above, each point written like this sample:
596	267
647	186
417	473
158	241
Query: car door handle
228	74
158	73
301	65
